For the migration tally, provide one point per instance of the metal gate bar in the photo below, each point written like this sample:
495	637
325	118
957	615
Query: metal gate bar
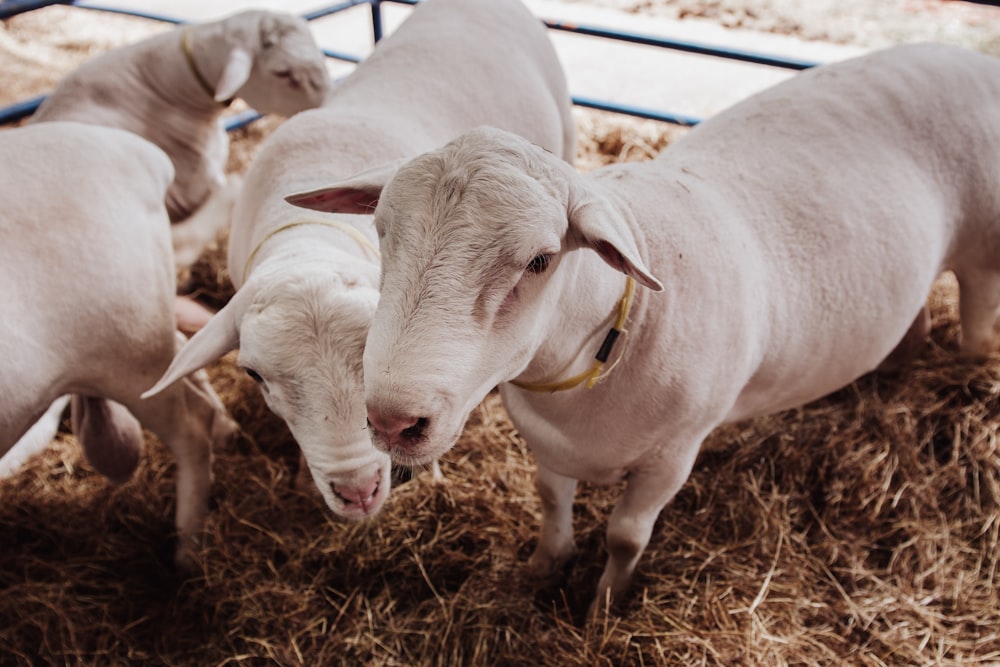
24	108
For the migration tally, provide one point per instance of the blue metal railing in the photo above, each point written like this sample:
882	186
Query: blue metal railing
24	108
9	8
677	45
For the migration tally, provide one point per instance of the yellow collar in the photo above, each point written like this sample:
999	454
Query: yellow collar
592	375
193	66
353	232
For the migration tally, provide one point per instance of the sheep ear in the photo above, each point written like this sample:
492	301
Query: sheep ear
220	335
358	194
603	230
234	74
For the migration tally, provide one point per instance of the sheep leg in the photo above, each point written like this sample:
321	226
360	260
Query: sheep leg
555	541
978	305
630	525
189	419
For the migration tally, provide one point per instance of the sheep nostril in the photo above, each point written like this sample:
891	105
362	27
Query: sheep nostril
417	430
360	494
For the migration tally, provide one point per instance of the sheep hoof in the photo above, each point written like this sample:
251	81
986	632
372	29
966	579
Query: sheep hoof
186	558
546	566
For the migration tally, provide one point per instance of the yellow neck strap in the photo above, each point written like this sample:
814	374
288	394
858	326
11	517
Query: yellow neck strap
353	232
595	373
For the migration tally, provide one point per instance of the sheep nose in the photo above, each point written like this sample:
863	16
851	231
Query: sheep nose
396	431
358	494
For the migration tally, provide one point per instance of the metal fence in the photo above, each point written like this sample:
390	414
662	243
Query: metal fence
24	108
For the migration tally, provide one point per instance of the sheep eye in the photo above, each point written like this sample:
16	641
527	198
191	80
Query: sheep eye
254	375
539	263
289	77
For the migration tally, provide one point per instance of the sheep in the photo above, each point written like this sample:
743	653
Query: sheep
307	286
88	284
173	88
795	239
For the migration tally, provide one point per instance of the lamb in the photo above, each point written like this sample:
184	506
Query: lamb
173	88
88	306
794	237
307	286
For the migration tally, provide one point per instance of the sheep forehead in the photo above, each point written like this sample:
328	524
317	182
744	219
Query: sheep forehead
255	18
289	33
292	35
285	22
470	205
311	331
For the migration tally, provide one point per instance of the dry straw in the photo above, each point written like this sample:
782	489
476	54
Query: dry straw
860	530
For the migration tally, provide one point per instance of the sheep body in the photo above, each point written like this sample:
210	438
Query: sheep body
795	238
88	306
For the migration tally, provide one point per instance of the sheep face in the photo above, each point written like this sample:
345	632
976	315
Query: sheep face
288	73
316	386
469	239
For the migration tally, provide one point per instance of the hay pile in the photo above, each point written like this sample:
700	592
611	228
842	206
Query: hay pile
862	529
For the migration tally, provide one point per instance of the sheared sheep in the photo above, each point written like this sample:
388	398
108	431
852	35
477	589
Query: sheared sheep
794	238
88	284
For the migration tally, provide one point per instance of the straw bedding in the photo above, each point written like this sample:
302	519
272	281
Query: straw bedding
861	529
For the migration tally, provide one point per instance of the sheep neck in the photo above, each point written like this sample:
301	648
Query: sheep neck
596	372
360	238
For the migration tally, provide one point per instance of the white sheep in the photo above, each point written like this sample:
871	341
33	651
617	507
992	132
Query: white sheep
308	284
87	309
794	237
173	88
